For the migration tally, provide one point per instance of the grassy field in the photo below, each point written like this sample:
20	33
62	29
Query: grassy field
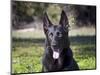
28	47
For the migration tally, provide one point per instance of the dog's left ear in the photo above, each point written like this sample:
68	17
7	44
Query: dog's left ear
64	19
46	22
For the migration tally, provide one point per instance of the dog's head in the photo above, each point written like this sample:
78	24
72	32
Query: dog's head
57	35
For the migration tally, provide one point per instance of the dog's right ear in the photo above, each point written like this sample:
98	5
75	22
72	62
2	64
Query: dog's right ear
46	22
64	19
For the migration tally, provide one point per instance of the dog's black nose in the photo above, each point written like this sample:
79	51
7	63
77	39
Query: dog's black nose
55	46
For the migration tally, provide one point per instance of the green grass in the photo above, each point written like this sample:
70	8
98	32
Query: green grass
26	59
27	53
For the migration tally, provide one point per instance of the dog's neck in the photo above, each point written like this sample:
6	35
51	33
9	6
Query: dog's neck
64	59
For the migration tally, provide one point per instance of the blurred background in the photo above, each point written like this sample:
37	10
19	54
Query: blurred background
28	36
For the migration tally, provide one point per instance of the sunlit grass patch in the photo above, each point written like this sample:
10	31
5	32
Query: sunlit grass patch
27	59
87	63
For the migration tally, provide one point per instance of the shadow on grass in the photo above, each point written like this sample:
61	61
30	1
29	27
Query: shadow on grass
34	40
75	40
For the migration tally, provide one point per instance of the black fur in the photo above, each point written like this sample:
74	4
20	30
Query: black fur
57	41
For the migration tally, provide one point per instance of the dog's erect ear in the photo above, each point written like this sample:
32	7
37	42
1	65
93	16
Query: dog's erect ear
46	22
64	19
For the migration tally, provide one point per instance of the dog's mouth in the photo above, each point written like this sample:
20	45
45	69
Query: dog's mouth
56	53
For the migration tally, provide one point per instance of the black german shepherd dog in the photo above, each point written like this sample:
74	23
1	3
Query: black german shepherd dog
58	55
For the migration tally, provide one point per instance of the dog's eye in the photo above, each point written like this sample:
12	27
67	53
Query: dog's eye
59	34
